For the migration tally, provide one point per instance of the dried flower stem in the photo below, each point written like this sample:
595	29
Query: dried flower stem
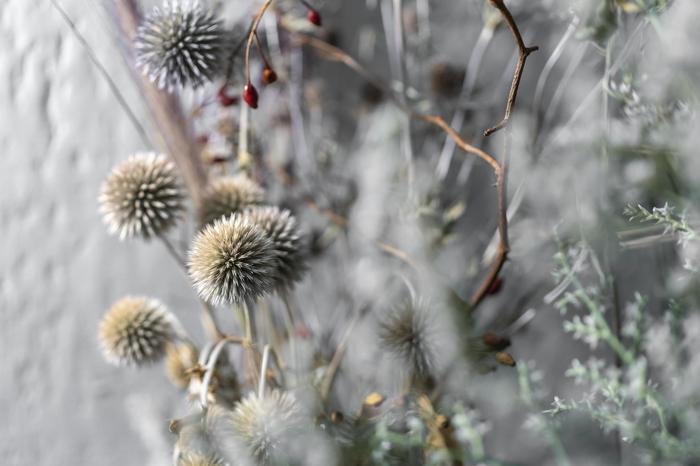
334	364
263	370
288	317
168	115
252	34
208	319
523	53
114	88
211	365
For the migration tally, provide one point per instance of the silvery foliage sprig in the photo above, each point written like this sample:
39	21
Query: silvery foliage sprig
650	114
626	398
672	223
391	447
532	395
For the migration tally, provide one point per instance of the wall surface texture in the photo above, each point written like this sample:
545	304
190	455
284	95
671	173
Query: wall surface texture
61	129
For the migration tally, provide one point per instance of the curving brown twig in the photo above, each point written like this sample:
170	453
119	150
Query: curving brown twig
252	35
523	53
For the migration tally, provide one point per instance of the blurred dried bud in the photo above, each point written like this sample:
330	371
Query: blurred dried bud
446	80
496	342
505	359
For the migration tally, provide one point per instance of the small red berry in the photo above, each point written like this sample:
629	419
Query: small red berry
226	99
269	76
496	286
250	95
314	17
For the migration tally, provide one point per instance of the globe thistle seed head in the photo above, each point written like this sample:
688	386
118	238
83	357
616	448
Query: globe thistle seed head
198	459
180	44
142	197
281	228
232	260
409	336
180	361
228	195
135	331
266	424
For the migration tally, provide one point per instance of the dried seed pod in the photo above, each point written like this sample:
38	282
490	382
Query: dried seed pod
136	331
179	45
446	80
269	76
232	260
225	99
314	17
142	197
250	95
496	342
505	359
228	195
374	399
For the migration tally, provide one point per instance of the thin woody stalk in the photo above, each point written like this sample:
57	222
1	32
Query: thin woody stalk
167	113
523	53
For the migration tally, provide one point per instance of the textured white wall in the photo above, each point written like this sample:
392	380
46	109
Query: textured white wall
61	129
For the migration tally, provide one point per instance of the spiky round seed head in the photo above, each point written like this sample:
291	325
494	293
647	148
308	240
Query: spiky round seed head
228	195
197	459
280	226
135	331
180	360
264	424
142	196
232	260
180	44
409	336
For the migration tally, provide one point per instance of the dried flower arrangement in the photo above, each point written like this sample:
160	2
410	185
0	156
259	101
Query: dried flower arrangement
273	389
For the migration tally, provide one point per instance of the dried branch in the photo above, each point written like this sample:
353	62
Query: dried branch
168	115
523	53
252	34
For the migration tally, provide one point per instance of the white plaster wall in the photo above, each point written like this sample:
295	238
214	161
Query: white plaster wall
61	129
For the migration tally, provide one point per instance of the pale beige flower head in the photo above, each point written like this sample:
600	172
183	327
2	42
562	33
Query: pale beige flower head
281	228
199	459
142	197
265	425
228	195
135	331
232	260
